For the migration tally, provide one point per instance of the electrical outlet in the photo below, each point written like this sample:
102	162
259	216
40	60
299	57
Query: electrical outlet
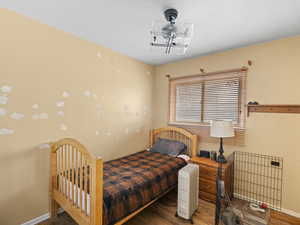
274	163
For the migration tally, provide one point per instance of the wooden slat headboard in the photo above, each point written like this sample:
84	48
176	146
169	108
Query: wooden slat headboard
178	134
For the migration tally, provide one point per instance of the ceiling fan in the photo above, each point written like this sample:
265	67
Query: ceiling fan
171	35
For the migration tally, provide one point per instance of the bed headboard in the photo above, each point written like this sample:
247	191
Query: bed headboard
178	134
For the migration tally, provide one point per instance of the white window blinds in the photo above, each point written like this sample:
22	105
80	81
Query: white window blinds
188	102
201	99
221	100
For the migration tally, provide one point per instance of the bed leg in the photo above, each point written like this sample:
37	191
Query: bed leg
97	193
53	209
53	206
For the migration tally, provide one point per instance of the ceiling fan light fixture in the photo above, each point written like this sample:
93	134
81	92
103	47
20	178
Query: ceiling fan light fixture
171	37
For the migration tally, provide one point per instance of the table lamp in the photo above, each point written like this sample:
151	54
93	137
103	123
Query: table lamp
221	129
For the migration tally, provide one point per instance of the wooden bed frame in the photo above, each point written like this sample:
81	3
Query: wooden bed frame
69	159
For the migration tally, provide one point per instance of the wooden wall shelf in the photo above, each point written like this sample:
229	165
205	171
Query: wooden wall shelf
273	108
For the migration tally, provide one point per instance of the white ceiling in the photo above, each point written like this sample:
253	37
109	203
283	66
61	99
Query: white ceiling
124	25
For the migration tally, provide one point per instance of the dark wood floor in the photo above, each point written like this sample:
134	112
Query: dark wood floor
162	213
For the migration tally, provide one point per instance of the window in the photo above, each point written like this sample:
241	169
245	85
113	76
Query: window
199	99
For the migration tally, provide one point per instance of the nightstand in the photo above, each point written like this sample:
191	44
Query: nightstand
207	177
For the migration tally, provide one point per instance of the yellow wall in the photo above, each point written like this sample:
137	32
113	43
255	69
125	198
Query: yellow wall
40	63
274	78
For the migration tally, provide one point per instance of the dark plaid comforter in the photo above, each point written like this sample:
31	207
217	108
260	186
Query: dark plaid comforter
135	180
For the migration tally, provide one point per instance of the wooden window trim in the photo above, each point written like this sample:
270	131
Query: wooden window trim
224	72
201	128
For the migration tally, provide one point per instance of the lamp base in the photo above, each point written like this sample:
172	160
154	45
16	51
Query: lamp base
221	159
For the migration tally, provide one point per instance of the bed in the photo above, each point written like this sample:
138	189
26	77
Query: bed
97	193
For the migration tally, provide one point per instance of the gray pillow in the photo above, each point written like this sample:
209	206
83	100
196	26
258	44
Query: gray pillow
168	147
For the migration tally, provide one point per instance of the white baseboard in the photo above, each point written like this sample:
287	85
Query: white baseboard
291	213
37	219
41	218
286	211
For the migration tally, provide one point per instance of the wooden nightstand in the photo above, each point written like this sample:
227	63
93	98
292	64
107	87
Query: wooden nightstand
207	177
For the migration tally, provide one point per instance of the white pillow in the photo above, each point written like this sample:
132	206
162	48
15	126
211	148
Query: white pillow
185	157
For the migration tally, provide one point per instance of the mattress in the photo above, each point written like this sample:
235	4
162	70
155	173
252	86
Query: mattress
135	180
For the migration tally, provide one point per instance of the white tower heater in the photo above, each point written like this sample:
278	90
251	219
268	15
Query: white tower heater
188	191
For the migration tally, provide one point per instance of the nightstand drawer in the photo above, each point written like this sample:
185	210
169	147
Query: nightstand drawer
206	172
207	186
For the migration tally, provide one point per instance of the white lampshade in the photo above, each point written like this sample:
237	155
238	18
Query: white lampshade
221	129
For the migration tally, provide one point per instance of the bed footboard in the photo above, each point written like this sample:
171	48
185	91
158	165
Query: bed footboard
76	182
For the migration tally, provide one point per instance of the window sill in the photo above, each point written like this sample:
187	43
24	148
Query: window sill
195	125
188	124
203	132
